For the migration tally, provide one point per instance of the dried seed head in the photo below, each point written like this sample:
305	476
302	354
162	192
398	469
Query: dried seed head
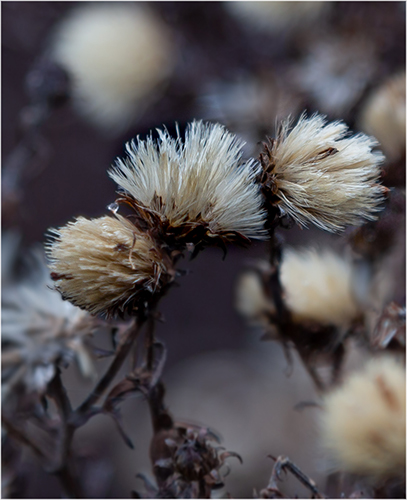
106	265
40	331
316	175
364	422
118	54
319	286
384	116
196	190
191	465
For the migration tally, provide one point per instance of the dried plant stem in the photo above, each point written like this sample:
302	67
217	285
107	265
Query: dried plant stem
121	354
64	469
22	438
282	463
149	343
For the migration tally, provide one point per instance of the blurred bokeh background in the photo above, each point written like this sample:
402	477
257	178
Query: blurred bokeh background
246	66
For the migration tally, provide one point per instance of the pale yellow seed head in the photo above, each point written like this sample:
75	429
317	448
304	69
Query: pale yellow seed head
363	423
384	116
118	55
318	286
105	265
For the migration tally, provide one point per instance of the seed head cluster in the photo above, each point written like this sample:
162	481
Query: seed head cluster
196	192
316	174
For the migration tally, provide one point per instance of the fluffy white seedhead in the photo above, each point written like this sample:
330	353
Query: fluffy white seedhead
364	422
384	116
105	266
40	330
118	55
318	286
318	175
201	181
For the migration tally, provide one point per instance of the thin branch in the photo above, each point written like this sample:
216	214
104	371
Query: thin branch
121	354
20	436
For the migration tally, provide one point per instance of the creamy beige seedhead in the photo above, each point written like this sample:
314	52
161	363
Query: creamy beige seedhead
119	56
364	421
192	191
384	116
316	174
106	265
319	286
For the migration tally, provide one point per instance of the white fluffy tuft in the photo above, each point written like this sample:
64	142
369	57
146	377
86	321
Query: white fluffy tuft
325	178
201	179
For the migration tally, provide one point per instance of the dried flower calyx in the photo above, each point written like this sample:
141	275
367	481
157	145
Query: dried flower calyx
315	174
107	265
193	191
190	466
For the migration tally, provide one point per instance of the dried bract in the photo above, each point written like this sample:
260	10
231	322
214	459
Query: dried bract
191	468
317	175
118	55
39	332
364	422
192	191
106	265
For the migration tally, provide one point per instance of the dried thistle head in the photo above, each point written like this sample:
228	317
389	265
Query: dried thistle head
316	175
118	55
192	192
39	332
107	265
319	286
364	422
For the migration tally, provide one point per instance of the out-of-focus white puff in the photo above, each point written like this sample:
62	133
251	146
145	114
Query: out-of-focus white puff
364	422
118	55
384	116
318	286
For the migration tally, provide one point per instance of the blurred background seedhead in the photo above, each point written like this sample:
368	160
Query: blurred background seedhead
78	83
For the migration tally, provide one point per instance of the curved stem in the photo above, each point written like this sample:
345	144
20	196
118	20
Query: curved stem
121	354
